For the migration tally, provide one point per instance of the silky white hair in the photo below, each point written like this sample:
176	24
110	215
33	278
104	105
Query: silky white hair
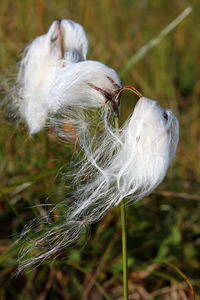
130	162
64	43
53	75
83	84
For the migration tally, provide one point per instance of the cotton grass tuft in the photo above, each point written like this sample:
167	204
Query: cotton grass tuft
130	163
64	43
53	75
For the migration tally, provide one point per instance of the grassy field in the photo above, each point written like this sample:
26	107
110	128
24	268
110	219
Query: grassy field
164	228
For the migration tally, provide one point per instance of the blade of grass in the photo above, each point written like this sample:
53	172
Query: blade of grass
29	179
182	275
94	276
152	43
74	265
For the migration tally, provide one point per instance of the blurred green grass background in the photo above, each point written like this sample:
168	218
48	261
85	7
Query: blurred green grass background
164	228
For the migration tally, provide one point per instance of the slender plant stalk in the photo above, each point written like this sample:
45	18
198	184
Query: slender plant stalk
124	248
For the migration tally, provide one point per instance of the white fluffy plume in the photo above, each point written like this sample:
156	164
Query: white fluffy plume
148	145
129	163
53	76
64	43
83	84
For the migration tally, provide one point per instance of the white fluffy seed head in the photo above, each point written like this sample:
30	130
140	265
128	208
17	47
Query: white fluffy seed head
64	43
86	84
130	165
149	141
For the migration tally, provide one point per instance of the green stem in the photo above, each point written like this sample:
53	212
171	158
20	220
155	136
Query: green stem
124	248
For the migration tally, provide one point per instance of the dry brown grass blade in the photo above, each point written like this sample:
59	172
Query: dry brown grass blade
94	276
184	277
178	195
40	6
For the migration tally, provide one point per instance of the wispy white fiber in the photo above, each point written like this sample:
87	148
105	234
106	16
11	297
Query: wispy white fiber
77	124
64	43
133	167
129	163
49	238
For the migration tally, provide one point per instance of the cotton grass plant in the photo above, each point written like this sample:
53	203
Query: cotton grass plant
59	88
